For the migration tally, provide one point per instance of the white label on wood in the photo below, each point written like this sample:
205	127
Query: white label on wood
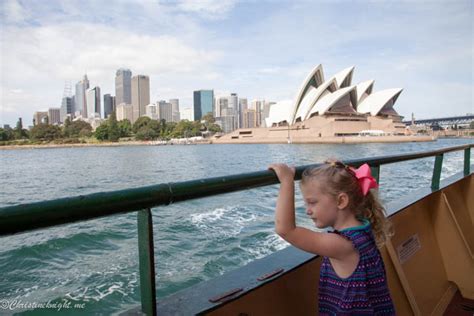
408	248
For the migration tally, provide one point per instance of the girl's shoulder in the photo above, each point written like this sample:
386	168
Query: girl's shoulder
360	236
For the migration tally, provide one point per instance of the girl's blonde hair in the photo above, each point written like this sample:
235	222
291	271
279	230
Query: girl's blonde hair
337	178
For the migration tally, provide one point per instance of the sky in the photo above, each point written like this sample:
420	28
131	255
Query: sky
257	49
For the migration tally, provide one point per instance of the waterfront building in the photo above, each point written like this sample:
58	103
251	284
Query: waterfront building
124	111
93	103
123	86
80	103
187	114
165	110
67	108
203	103
54	116
140	95
109	105
40	117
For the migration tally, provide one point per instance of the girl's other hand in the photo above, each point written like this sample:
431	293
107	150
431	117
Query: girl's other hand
283	172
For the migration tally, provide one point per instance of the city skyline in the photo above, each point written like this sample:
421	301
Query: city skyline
258	50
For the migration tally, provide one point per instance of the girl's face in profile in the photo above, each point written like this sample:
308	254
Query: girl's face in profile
320	206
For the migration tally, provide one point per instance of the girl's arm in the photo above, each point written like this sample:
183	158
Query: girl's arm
324	244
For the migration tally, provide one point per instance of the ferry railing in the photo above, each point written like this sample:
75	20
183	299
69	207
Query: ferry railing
26	217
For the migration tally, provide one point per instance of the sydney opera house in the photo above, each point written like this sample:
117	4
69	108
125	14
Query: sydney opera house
329	110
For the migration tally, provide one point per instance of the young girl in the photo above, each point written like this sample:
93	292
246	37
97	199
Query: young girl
352	276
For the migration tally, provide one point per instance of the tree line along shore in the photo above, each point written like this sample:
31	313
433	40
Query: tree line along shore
144	130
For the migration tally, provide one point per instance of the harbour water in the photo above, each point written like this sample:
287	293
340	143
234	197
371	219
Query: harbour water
95	263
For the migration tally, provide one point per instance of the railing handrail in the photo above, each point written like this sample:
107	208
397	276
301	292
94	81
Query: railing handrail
26	217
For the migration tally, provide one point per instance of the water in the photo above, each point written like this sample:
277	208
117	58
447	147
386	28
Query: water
95	263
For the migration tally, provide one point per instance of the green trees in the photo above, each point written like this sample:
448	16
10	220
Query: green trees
77	129
113	129
102	131
146	129
19	132
125	128
6	134
45	132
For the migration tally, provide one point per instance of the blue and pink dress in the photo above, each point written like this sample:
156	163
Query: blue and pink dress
365	291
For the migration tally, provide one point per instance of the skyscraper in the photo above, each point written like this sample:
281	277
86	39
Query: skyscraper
54	116
80	103
140	95
243	105
203	103
175	109
67	108
165	111
123	86
109	105
93	103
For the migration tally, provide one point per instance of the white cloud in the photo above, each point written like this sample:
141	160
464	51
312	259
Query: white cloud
213	9
41	58
14	12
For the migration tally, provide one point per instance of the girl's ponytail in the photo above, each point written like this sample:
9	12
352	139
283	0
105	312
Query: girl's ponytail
373	210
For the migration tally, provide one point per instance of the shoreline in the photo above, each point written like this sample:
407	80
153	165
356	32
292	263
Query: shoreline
329	140
104	144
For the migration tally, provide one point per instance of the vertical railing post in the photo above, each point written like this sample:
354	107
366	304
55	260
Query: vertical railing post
375	170
467	161
146	262
437	172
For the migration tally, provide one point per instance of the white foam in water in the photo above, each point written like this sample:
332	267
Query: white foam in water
226	222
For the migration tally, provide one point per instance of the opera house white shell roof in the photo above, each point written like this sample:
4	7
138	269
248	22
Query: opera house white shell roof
336	95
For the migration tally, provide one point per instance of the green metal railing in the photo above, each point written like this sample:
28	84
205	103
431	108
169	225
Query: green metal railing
27	217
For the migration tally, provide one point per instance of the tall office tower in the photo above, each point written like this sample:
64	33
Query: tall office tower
124	112
234	105
249	118
93	102
175	109
109	105
243	105
187	114
203	103
123	86
80	103
165	111
221	103
228	120
257	105
67	109
140	95
54	116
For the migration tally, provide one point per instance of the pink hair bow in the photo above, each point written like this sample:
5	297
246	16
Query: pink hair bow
365	178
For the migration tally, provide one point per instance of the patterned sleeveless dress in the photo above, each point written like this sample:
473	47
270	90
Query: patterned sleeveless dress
365	292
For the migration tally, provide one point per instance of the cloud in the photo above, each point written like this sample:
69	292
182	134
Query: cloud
41	56
14	12
211	9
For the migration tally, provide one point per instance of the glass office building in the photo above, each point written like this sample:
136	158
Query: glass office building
203	103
